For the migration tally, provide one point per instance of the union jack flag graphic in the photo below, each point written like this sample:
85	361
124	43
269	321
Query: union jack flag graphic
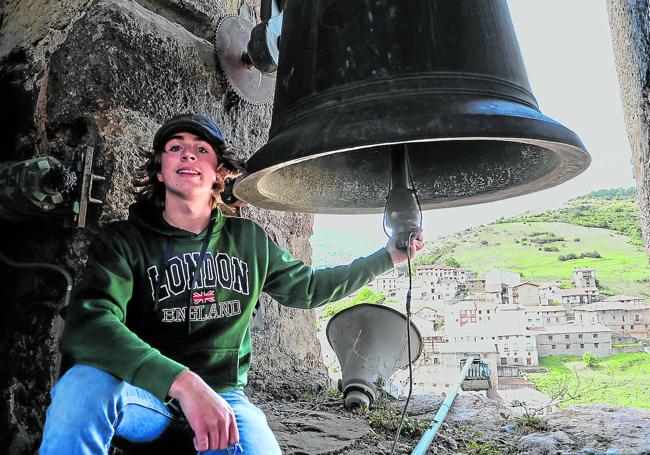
202	297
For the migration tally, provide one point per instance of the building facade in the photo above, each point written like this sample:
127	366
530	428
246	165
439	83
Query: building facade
574	339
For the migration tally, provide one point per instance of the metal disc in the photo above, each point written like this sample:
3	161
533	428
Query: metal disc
231	40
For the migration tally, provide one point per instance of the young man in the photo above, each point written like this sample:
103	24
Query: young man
159	328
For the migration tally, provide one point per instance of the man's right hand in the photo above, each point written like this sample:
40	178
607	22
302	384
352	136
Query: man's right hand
209	415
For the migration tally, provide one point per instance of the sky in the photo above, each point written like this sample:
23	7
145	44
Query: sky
566	46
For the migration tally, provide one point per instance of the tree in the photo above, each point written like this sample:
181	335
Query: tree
452	262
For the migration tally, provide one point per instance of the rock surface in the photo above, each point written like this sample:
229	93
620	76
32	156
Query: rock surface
630	25
474	426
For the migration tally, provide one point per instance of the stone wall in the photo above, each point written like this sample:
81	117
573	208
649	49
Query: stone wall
104	74
630	26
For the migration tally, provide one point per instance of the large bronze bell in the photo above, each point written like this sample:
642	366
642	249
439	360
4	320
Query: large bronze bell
359	79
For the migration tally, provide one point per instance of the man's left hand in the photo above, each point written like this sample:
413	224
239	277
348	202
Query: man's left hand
399	255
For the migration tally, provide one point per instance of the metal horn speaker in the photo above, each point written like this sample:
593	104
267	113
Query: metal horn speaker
360	79
371	344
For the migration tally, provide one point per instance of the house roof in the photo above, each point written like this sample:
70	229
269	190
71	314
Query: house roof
493	288
523	284
620	298
613	305
465	346
572	328
496	327
583	269
546	308
575	291
436	267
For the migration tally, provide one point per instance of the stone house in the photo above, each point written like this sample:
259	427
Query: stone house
550	315
386	283
573	297
439	271
475	285
574	339
496	293
585	278
526	294
624	315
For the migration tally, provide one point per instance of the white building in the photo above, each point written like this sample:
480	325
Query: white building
548	293
584	278
469	311
515	344
502	277
386	282
573	297
437	369
445	289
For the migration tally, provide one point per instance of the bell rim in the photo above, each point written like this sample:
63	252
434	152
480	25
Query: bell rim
574	160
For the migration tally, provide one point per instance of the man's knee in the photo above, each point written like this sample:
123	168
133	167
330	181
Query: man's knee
84	391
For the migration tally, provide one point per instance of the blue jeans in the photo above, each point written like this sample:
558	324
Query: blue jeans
89	407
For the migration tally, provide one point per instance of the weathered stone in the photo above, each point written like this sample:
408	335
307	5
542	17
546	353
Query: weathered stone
301	431
121	55
27	22
630	26
615	429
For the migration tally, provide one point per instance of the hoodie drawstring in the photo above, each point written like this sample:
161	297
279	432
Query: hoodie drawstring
195	275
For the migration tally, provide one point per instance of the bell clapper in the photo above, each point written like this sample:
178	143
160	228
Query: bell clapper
402	215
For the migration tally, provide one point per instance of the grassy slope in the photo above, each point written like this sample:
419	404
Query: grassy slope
622	379
623	267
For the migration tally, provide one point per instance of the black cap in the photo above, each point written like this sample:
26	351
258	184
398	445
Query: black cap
198	124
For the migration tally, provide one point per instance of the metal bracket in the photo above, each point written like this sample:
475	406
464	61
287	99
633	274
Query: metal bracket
88	178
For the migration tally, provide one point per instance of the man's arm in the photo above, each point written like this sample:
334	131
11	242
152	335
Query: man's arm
293	283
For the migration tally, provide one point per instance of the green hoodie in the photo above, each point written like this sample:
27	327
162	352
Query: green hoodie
128	321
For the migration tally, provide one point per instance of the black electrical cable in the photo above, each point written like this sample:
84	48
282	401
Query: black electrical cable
408	296
408	342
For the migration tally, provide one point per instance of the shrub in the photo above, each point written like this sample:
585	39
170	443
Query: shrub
484	242
577	239
551	248
366	295
589	360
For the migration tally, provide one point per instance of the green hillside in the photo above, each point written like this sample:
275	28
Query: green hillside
547	247
613	209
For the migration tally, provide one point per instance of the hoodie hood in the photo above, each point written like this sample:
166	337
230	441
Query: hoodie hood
146	215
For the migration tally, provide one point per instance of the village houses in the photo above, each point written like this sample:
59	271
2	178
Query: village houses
626	316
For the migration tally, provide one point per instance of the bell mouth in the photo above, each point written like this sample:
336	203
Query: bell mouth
462	149
446	173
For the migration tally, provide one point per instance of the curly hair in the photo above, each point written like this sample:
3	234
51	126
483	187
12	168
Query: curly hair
147	187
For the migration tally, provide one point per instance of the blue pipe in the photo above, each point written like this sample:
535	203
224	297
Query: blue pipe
428	436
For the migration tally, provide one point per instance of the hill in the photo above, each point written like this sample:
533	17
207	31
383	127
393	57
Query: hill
600	231
613	209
